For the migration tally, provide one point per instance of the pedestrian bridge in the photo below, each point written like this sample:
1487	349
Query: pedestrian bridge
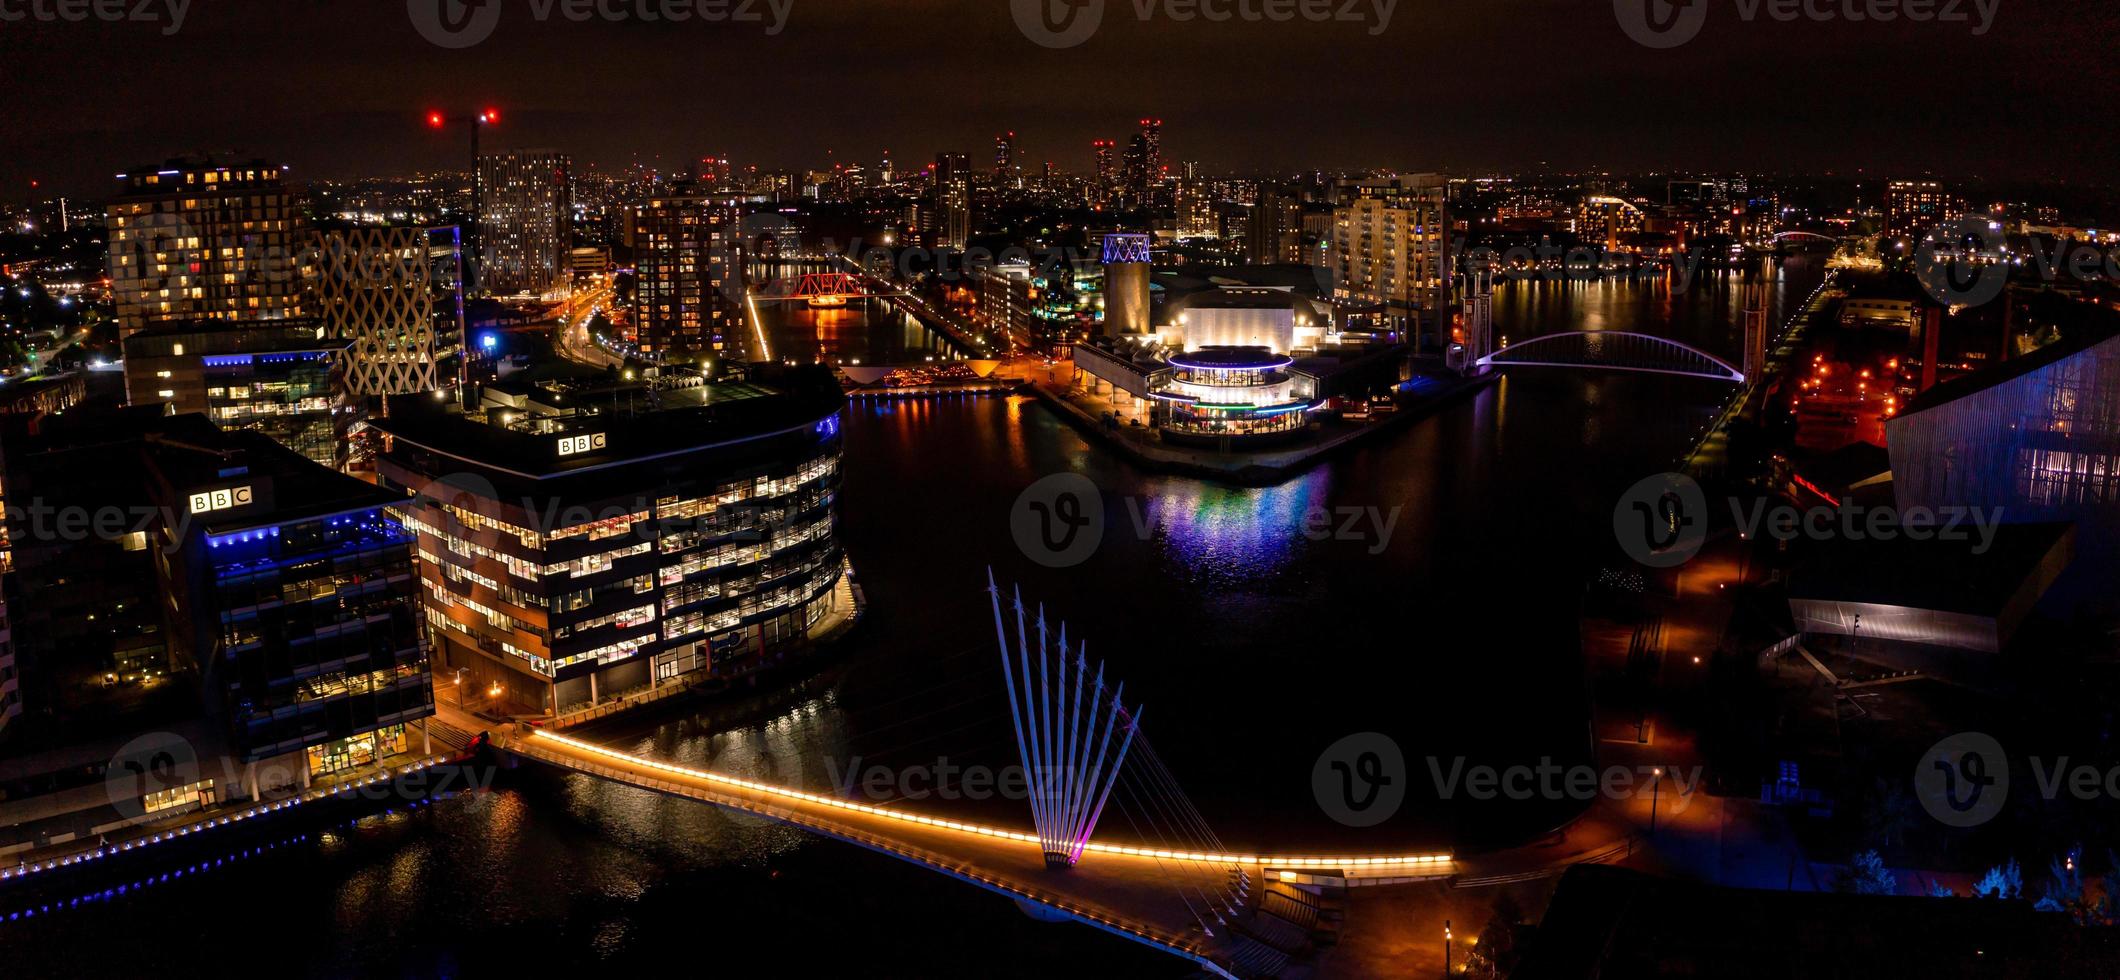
1613	350
1147	894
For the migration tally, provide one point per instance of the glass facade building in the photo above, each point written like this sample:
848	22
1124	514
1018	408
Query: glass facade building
297	597
569	558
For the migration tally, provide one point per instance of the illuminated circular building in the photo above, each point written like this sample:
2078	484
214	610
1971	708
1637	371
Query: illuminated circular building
1231	392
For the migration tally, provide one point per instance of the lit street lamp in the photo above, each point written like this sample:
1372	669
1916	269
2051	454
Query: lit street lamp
1655	788
1446	947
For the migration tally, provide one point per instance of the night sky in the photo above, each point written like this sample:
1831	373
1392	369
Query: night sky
338	88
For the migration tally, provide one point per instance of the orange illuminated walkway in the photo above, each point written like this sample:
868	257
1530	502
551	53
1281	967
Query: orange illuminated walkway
1125	889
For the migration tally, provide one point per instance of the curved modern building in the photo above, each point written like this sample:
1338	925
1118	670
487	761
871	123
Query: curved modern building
637	537
1244	392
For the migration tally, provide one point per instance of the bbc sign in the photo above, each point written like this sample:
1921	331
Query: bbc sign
576	445
213	500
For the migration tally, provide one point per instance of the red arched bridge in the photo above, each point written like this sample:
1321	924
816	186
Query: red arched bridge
1614	350
825	288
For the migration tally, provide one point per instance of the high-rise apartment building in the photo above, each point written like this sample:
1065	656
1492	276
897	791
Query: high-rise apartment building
394	295
1274	233
688	278
199	240
526	203
1914	207
1389	249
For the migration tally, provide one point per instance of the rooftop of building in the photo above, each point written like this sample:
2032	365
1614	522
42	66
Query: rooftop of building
2079	341
135	451
1230	359
178	174
286	486
619	424
205	337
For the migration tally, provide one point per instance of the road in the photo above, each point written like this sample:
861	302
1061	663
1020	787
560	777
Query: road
571	333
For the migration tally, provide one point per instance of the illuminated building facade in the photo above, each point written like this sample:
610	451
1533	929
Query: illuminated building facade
523	223
394	296
568	557
1232	392
286	381
1274	232
688	274
1388	249
196	240
2037	437
1126	286
295	595
1913	207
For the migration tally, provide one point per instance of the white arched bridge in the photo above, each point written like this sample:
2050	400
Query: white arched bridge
1614	350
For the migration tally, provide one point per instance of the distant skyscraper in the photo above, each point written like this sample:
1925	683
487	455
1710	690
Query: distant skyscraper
395	294
196	240
1144	158
1005	153
1913	207
688	275
716	172
955	210
952	164
1274	235
528	200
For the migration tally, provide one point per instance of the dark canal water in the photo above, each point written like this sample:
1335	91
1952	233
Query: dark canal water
1253	640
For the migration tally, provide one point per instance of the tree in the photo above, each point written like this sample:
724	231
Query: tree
1866	875
2001	881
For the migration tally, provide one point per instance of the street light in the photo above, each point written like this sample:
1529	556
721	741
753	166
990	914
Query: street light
1656	787
1446	947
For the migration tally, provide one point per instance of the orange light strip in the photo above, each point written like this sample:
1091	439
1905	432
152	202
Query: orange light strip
999	833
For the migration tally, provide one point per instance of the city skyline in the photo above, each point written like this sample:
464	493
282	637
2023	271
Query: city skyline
1731	99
